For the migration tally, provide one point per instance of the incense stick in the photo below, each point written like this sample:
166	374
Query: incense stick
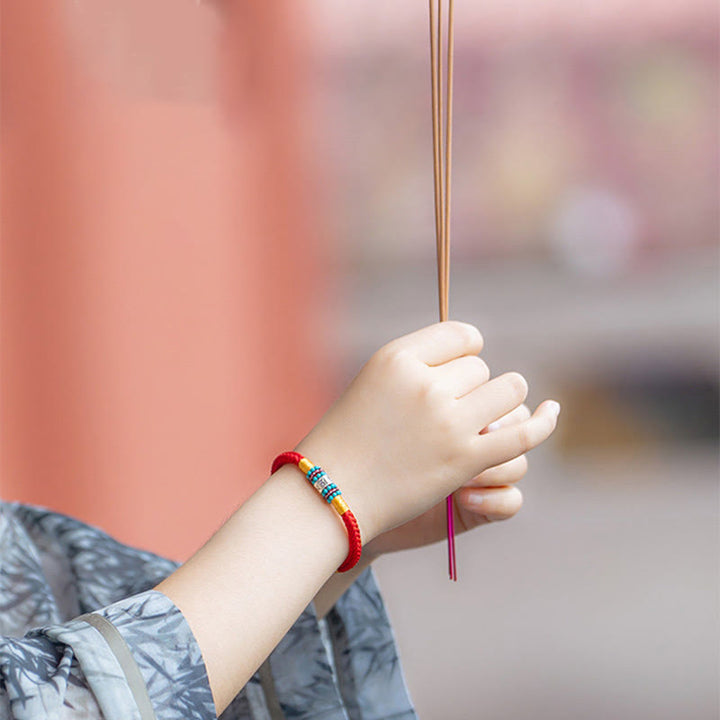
442	166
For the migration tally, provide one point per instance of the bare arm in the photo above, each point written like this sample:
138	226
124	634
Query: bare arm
243	590
331	591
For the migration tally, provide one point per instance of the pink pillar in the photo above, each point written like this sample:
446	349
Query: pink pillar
158	247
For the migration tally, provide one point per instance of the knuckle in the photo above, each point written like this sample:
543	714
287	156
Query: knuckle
386	350
461	450
525	437
475	336
482	369
446	422
469	332
446	427
380	356
431	392
390	357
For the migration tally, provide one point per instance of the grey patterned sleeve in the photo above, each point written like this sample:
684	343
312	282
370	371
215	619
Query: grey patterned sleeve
85	636
343	667
368	666
135	658
39	679
159	656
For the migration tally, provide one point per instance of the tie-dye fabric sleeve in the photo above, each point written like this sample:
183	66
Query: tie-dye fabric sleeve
135	658
85	636
40	679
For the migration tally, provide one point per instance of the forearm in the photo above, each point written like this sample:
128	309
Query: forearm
243	590
338	583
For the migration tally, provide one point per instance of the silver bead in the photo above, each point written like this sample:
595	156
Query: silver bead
322	483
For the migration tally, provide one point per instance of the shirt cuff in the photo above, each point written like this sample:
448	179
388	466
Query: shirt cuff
140	659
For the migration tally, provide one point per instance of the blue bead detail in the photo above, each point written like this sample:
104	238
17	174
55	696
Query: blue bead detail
322	474
326	491
314	473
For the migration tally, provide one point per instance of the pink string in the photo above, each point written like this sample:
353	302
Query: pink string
452	570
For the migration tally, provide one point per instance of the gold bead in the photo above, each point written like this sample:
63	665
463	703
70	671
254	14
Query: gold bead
305	465
340	505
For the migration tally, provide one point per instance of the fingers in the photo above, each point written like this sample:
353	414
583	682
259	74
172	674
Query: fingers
441	342
462	375
506	473
495	398
520	413
507	442
492	504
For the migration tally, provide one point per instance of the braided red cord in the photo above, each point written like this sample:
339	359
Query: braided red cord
353	530
284	458
351	523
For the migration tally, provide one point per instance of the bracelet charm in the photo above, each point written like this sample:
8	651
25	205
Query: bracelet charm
330	492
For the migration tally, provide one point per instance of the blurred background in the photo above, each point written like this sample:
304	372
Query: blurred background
213	214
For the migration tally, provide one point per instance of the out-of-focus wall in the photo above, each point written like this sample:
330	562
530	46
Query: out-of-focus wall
159	225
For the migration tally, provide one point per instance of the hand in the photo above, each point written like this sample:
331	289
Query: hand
407	430
489	497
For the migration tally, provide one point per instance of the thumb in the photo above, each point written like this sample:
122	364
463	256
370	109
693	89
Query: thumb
477	506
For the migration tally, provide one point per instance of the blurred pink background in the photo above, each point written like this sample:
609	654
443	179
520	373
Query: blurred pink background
213	213
160	255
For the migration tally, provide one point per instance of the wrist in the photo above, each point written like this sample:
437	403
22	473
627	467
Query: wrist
322	527
371	552
345	475
244	588
336	586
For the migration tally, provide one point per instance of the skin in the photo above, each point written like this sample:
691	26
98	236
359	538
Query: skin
422	419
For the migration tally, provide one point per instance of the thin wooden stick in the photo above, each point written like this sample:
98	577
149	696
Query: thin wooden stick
434	77
442	165
448	147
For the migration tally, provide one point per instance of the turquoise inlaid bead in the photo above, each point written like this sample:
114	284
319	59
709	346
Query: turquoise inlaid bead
322	483
317	477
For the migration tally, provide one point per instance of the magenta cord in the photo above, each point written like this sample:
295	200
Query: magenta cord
452	569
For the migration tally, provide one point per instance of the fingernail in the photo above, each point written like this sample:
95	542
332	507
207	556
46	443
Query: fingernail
492	517
475	500
493	426
554	407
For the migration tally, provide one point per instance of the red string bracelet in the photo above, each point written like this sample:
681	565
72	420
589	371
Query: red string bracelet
331	492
